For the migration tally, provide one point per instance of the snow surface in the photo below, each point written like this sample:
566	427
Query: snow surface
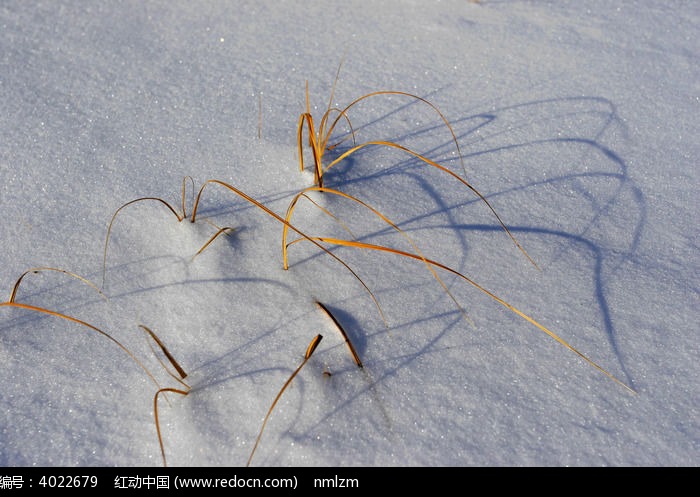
578	121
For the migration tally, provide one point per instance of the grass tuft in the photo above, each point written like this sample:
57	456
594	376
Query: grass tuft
319	142
318	139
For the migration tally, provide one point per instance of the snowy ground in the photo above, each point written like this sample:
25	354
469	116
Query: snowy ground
578	121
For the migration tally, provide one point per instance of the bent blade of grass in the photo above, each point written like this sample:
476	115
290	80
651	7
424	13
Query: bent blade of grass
155	414
287	224
384	219
109	229
318	139
219	232
369	246
37	270
344	112
82	323
443	169
165	350
348	342
309	351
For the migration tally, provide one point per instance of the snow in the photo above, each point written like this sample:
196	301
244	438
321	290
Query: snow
576	120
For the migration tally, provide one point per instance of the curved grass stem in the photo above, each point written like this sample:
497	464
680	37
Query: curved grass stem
155	414
72	319
445	170
348	342
319	139
37	270
381	216
114	216
165	351
309	351
369	246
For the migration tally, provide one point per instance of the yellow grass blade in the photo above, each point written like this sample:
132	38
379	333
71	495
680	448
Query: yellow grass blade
309	350
315	341
410	95
155	414
348	342
352	130
313	143
162	346
350	243
219	232
441	168
300	130
83	323
109	229
37	270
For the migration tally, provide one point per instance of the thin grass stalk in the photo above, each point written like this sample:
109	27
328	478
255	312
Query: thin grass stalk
441	168
165	351
400	93
155	414
384	219
309	351
369	246
83	323
348	342
109	229
37	270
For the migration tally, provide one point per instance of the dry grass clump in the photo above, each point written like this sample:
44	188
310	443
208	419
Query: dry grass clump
318	140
